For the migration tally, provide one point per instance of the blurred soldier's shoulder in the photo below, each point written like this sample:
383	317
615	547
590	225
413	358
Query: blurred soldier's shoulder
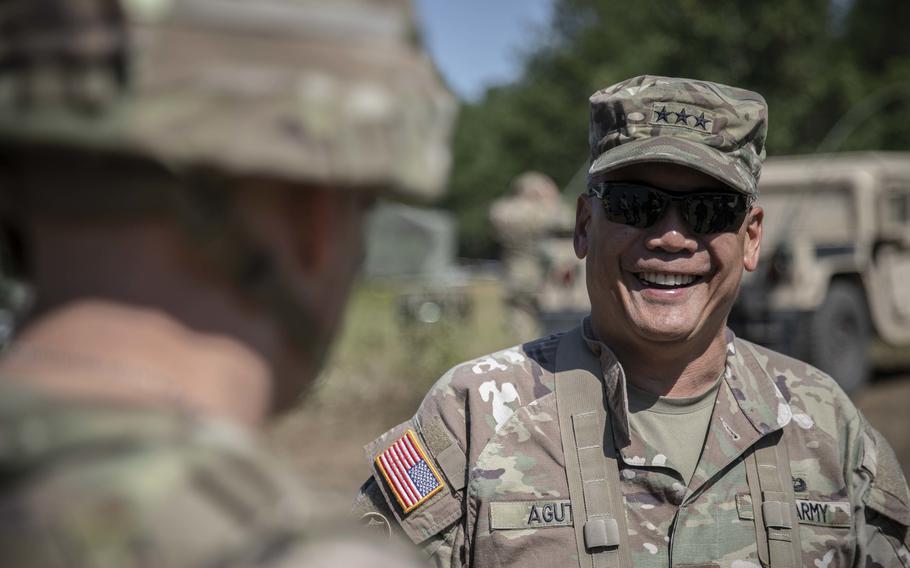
92	484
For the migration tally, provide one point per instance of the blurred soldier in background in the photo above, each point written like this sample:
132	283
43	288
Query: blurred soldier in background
531	212
187	181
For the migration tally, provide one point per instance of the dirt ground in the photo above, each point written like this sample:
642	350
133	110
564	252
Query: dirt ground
327	447
886	404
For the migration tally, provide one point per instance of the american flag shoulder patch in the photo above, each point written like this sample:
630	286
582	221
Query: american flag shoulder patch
408	472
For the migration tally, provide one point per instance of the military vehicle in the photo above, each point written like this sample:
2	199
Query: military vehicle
414	249
835	264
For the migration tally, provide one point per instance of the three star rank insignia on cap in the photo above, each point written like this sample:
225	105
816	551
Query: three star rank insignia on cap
672	114
409	474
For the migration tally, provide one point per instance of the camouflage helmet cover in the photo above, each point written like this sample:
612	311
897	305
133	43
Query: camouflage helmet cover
335	93
713	128
535	186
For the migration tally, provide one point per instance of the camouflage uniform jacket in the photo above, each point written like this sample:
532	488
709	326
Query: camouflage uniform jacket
497	417
97	485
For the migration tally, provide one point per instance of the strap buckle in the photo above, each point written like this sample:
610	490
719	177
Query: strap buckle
601	532
777	515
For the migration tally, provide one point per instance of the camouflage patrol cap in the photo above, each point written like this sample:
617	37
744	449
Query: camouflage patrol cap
335	93
712	128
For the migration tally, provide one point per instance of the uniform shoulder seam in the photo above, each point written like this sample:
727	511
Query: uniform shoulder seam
786	358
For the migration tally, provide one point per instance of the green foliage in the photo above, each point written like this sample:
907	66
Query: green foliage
812	63
383	362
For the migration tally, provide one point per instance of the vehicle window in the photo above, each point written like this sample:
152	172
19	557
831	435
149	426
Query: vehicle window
898	207
823	214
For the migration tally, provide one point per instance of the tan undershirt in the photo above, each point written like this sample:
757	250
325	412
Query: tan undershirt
676	427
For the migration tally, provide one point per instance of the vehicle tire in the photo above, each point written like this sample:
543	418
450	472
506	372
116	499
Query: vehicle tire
839	336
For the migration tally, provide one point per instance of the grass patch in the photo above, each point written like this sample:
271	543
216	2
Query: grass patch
383	360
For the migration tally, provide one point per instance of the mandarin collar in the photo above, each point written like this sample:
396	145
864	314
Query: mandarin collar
614	385
760	392
754	389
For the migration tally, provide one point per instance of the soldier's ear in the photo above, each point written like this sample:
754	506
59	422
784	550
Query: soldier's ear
752	240
582	226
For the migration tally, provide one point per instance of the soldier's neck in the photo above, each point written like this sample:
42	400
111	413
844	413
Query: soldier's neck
673	370
114	352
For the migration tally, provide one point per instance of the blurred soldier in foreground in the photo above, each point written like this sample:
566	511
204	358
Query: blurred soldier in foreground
530	213
188	180
649	435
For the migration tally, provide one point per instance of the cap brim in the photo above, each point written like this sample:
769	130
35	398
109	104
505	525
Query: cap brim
675	150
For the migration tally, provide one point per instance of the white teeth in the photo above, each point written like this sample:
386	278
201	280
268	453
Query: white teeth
667	279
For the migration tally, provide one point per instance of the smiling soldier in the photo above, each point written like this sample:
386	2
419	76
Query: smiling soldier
649	435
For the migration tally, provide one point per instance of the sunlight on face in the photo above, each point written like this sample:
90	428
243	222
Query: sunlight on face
662	283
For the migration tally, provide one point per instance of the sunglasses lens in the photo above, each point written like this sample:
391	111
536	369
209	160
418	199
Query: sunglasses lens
641	206
634	205
715	213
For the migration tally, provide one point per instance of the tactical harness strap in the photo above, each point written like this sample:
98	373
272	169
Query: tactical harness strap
773	503
593	476
773	499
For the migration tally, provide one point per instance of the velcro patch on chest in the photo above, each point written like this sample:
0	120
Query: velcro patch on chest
823	513
808	512
409	473
530	514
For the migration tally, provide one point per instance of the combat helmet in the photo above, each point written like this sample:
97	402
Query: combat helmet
535	186
334	93
116	107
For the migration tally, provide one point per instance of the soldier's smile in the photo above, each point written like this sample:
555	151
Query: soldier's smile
664	286
663	282
666	280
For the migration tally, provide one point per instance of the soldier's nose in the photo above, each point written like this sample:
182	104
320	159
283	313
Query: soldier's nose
671	233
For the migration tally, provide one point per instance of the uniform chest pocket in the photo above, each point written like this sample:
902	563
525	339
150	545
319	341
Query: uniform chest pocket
527	533
819	513
824	525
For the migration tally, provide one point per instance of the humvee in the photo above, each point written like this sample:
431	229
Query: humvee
834	274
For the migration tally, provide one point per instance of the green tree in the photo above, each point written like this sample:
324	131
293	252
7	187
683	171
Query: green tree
812	63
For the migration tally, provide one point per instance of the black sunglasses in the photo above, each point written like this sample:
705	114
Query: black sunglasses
640	205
